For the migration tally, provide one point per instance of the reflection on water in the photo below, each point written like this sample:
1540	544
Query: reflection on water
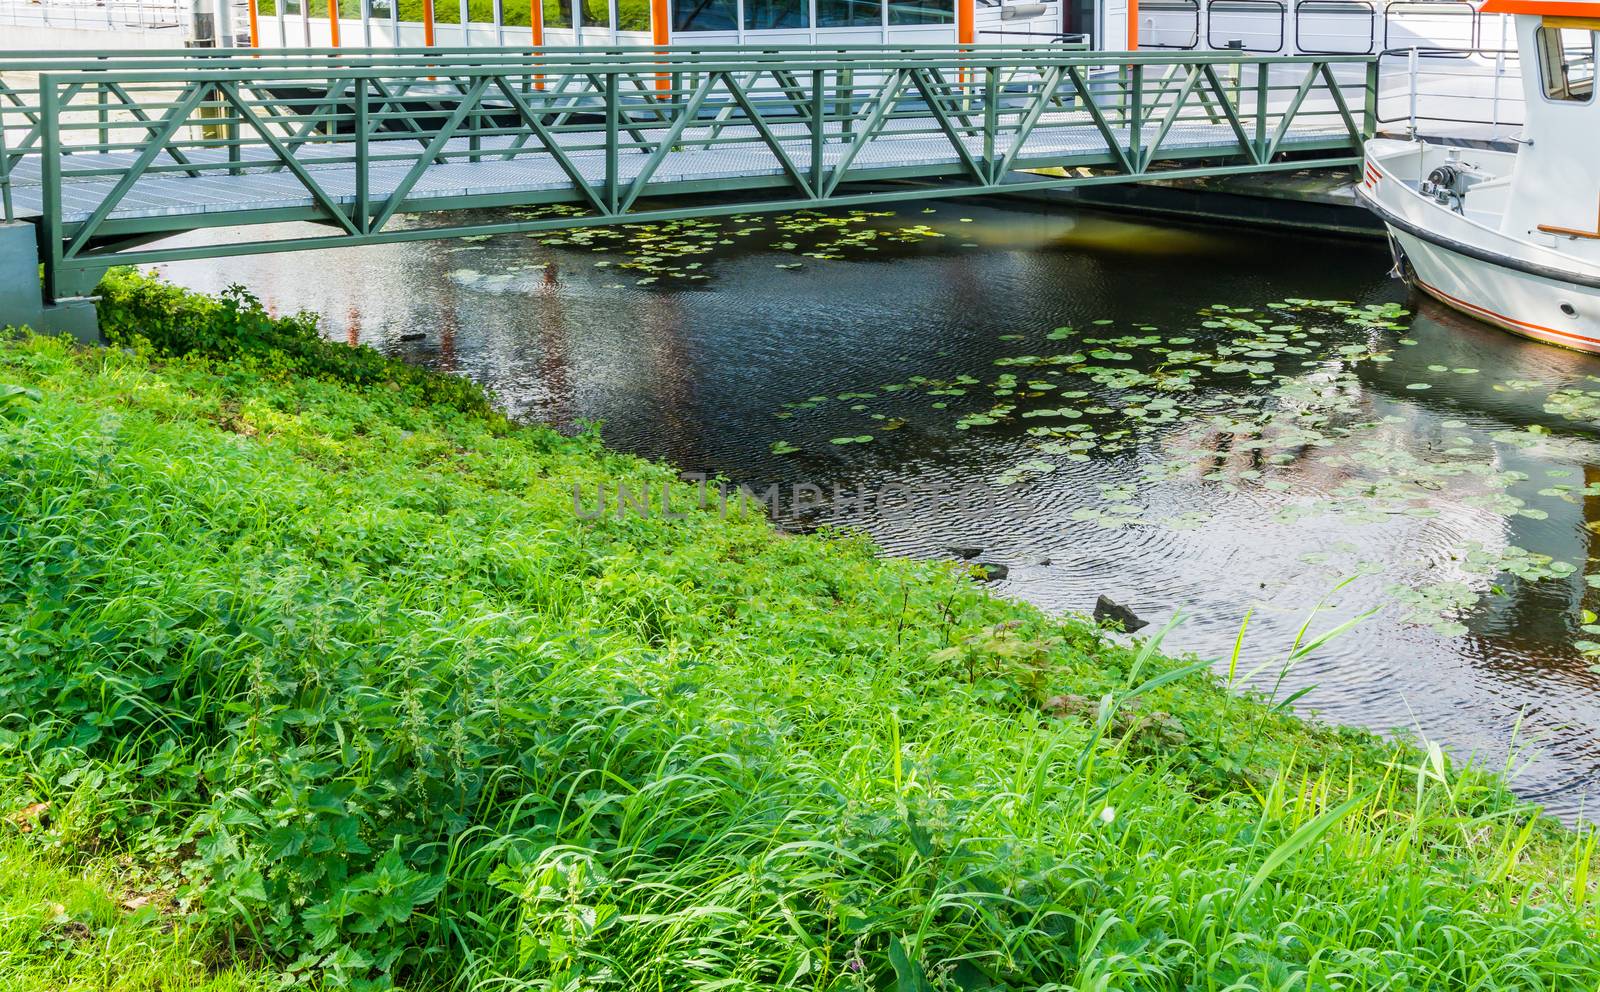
1454	477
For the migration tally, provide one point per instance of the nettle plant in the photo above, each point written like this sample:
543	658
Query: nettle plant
1014	667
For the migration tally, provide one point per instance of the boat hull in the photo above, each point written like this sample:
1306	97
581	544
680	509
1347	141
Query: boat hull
1511	300
1519	287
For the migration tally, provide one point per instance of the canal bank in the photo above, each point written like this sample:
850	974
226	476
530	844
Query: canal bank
387	598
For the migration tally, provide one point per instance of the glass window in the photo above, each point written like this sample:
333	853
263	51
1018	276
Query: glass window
633	15
595	14
1566	63
513	14
705	15
558	13
765	15
922	11
849	13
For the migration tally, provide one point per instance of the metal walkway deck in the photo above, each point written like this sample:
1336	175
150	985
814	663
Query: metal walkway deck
111	157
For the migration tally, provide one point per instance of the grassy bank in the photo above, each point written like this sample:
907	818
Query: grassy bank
314	647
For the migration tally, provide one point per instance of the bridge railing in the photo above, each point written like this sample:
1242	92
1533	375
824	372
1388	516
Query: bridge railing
111	156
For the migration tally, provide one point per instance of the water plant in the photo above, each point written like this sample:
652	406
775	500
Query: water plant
1260	398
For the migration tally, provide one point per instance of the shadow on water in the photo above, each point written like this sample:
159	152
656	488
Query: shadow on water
1453	475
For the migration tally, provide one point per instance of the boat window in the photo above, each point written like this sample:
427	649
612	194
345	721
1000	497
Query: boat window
1566	61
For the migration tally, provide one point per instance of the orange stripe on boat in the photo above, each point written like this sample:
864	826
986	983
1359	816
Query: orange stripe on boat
1500	316
1545	8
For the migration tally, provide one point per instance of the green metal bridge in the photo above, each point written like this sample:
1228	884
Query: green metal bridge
106	157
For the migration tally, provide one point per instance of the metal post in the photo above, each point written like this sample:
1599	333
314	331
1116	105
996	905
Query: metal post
612	192
363	193
844	105
5	175
1136	117
102	112
991	118
50	186
1263	98
224	15
1499	71
819	125
1412	70
1369	121
366	23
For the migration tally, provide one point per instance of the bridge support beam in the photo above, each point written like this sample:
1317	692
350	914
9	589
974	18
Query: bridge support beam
22	302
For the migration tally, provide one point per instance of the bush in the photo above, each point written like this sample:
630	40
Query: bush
234	326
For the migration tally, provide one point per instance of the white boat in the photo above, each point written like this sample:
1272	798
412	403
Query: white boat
1512	238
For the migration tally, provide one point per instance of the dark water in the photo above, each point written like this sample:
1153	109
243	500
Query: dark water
1452	479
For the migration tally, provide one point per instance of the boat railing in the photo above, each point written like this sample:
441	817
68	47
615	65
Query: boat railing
1315	27
1461	92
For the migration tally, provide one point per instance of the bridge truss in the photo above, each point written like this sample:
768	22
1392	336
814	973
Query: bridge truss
111	156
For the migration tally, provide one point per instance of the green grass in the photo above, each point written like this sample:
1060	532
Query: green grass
319	641
97	930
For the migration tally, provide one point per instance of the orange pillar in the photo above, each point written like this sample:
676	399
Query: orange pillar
660	23
1133	25
966	21
536	29
427	23
333	21
661	37
255	25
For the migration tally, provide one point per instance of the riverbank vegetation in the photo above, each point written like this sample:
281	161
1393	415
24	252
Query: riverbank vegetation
310	651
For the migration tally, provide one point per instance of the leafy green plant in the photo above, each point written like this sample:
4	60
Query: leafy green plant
1016	667
13	399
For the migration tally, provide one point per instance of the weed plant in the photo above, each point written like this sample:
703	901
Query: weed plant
315	643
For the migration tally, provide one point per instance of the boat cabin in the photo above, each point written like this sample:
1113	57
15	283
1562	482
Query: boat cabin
1552	196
